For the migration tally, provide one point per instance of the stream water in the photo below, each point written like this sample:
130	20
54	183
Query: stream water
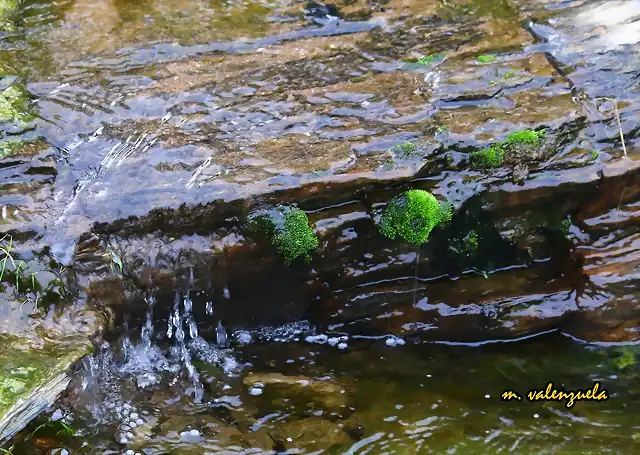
136	138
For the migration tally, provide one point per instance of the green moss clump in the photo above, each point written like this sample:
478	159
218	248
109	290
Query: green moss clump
528	137
519	146
486	58
413	215
288	228
427	60
489	157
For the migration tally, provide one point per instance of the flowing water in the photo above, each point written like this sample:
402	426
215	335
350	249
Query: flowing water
137	137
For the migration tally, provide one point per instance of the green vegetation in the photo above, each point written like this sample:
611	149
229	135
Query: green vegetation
509	75
428	60
9	265
20	381
116	262
58	428
593	156
14	104
441	129
8	10
413	215
626	359
517	144
470	243
289	231
8	147
524	137
486	58
488	158
404	150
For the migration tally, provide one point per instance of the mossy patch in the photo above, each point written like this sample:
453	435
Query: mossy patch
23	147
626	358
518	147
289	231
428	60
529	137
8	11
486	58
412	216
18	377
489	157
404	150
14	104
25	375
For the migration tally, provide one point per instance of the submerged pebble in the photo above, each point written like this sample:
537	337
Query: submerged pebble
394	341
320	339
255	391
190	436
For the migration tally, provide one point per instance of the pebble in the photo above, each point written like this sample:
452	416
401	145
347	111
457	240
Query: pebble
342	346
129	435
134	415
192	436
125	427
320	339
57	415
255	391
139	422
130	452
333	341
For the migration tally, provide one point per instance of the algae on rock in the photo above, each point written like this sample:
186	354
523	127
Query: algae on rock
8	10
289	231
14	104
31	380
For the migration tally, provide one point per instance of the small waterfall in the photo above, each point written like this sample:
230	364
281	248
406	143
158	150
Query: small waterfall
180	349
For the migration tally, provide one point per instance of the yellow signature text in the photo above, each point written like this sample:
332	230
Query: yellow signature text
552	393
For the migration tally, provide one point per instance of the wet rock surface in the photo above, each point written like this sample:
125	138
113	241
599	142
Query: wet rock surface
136	140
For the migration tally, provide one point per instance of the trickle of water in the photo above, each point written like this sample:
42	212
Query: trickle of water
209	308
180	349
221	335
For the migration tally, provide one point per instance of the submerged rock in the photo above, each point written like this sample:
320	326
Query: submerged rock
31	380
326	394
